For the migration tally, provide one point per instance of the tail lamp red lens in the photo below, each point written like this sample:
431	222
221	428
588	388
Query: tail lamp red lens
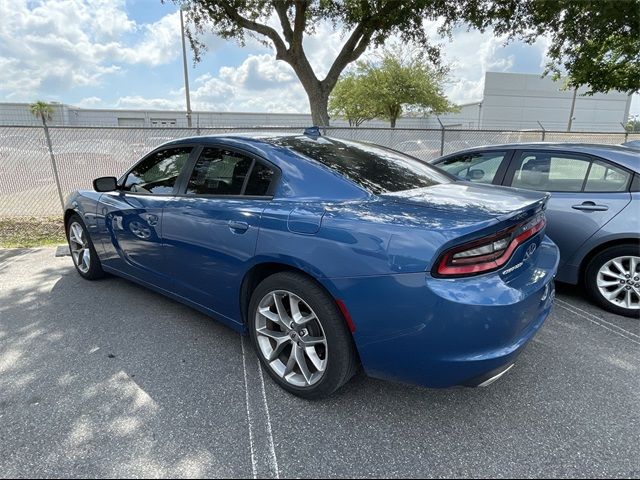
488	253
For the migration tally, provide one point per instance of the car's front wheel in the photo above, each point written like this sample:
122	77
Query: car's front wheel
300	335
85	257
612	279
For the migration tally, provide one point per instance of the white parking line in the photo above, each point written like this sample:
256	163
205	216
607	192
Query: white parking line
597	318
263	454
272	447
254	463
575	312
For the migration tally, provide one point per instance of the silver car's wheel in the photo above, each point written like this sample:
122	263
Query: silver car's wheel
618	281
291	338
79	246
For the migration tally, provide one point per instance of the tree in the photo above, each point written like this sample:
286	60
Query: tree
365	22
401	78
351	99
42	110
633	125
594	42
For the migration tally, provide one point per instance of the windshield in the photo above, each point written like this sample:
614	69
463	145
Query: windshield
376	169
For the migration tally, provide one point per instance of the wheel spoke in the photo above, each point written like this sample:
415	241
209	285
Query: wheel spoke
614	294
311	341
291	363
619	266
318	363
633	263
610	273
284	318
627	299
302	364
609	283
267	313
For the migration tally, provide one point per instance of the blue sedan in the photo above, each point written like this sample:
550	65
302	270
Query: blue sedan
594	210
330	254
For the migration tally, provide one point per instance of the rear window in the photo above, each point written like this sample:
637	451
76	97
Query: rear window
374	168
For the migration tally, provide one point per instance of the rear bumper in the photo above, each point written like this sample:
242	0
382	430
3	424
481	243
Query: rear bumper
447	332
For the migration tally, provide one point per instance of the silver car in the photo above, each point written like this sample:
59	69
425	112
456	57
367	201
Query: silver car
593	214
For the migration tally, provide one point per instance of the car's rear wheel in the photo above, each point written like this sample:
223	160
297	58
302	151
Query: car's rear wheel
301	336
612	279
83	253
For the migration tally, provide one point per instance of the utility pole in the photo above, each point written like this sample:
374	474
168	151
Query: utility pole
186	73
573	107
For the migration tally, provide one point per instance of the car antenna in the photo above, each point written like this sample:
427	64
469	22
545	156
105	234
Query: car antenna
313	132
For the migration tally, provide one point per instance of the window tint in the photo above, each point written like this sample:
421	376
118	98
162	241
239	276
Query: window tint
157	173
259	180
219	172
374	168
478	167
606	178
551	172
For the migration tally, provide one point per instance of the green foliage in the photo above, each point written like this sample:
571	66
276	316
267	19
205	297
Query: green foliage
352	100
397	79
633	125
594	42
42	110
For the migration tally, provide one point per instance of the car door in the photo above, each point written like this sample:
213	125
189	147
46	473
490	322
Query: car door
586	192
482	166
211	228
133	215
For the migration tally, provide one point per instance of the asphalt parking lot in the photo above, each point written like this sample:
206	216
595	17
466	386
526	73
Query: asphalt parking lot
107	379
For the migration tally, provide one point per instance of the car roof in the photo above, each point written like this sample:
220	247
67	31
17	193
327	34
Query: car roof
625	156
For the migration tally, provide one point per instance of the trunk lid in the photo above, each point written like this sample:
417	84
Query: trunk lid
482	202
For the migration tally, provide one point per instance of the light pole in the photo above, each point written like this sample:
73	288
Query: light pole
186	73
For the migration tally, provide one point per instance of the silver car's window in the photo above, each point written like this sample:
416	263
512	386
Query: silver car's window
480	167
604	177
551	172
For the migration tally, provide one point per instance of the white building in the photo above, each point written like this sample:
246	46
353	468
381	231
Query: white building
511	101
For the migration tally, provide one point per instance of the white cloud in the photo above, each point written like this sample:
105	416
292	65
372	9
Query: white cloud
51	46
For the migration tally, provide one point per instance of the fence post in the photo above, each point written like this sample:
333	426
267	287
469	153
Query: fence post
626	132
442	129
543	130
53	164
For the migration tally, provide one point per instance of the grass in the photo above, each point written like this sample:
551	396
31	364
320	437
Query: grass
26	232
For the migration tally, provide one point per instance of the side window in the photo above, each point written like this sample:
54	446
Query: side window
157	173
606	178
219	172
259	180
551	172
478	167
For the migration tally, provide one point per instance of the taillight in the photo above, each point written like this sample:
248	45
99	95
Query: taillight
488	253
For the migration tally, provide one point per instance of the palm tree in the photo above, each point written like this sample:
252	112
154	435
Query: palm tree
42	110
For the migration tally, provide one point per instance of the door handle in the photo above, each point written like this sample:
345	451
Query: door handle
590	207
238	227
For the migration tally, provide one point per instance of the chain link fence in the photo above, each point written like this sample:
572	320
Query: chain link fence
30	162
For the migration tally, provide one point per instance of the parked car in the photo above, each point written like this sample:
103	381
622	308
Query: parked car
635	144
330	253
593	213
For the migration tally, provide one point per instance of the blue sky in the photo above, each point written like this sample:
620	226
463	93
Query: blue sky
127	54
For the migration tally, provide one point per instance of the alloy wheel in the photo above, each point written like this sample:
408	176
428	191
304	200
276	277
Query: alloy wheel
618	281
79	246
291	338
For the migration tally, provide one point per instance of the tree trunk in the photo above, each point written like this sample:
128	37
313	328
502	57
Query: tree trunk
319	104
393	122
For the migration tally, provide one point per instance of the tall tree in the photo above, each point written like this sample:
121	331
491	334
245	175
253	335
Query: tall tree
365	22
596	43
42	110
400	78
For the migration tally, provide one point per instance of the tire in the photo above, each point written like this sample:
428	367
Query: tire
330	364
602	268
89	269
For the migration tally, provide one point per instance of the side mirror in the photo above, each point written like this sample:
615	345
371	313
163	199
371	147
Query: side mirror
105	184
475	174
